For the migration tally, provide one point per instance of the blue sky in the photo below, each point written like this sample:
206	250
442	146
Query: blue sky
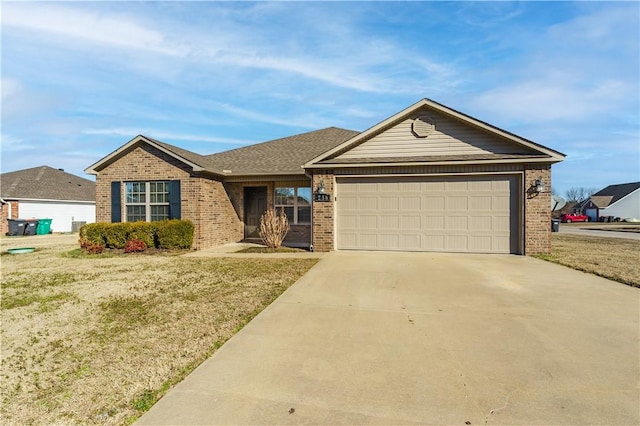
79	79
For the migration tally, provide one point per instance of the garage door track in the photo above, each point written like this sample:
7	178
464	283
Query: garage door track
419	338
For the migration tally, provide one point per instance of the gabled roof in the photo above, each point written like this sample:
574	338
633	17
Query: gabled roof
46	183
541	153
612	193
197	161
277	157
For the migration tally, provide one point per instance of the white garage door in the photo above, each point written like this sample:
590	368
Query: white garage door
449	214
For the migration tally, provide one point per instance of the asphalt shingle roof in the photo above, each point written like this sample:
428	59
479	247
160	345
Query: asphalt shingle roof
46	183
613	193
279	156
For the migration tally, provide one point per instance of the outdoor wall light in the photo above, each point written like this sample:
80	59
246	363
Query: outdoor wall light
320	189
538	186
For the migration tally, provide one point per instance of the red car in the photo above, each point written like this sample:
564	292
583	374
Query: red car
573	217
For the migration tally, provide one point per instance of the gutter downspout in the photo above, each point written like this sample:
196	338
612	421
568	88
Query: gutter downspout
2	200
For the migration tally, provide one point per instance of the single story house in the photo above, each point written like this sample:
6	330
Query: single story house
428	178
618	201
45	192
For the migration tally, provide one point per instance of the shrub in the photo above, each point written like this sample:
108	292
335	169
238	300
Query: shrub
167	234
143	231
94	233
174	234
117	234
90	247
273	227
135	246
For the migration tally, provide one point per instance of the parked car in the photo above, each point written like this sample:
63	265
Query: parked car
573	217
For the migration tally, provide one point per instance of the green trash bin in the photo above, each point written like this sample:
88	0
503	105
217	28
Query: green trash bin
44	226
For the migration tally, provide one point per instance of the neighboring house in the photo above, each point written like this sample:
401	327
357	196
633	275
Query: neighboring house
429	178
47	193
618	201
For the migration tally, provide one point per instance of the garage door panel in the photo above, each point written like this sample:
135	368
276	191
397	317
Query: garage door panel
480	243
433	242
389	222
454	223
480	202
389	241
500	203
408	223
432	203
410	202
459	214
456	243
481	223
433	186
454	202
389	203
348	202
367	203
432	223
367	222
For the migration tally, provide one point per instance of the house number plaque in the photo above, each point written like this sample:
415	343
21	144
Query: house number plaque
322	197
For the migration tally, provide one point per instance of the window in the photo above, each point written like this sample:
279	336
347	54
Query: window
296	202
147	201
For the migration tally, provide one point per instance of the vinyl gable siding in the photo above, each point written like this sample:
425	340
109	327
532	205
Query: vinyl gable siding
450	137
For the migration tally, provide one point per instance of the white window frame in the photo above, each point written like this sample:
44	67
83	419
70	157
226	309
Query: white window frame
295	204
147	204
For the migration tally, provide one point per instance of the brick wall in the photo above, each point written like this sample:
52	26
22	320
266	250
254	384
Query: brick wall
323	224
204	200
4	225
537	211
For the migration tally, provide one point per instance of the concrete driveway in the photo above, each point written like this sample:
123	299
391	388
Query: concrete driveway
403	338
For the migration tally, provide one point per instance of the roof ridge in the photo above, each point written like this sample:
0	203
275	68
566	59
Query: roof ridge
290	137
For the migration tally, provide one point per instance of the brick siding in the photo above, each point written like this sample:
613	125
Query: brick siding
323	223
537	211
4	224
204	201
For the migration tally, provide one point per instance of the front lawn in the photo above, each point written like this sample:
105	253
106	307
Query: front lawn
98	339
614	258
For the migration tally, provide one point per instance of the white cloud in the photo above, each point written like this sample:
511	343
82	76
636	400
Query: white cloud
12	143
165	136
94	27
360	63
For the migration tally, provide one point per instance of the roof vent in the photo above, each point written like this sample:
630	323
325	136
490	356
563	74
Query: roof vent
423	126
62	170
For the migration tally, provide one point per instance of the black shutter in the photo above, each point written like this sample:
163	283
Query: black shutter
174	199
116	209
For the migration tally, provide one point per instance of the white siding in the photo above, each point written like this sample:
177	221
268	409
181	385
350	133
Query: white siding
62	213
624	208
451	137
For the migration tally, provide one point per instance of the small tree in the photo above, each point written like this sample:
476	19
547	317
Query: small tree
273	227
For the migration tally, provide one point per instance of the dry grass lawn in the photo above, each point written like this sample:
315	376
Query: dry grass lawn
613	258
98	339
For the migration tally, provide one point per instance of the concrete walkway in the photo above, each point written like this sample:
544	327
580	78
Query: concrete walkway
232	249
419	338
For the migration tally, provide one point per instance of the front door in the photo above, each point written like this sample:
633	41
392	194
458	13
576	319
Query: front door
255	204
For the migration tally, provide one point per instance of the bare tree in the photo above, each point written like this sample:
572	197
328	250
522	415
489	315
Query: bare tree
579	193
